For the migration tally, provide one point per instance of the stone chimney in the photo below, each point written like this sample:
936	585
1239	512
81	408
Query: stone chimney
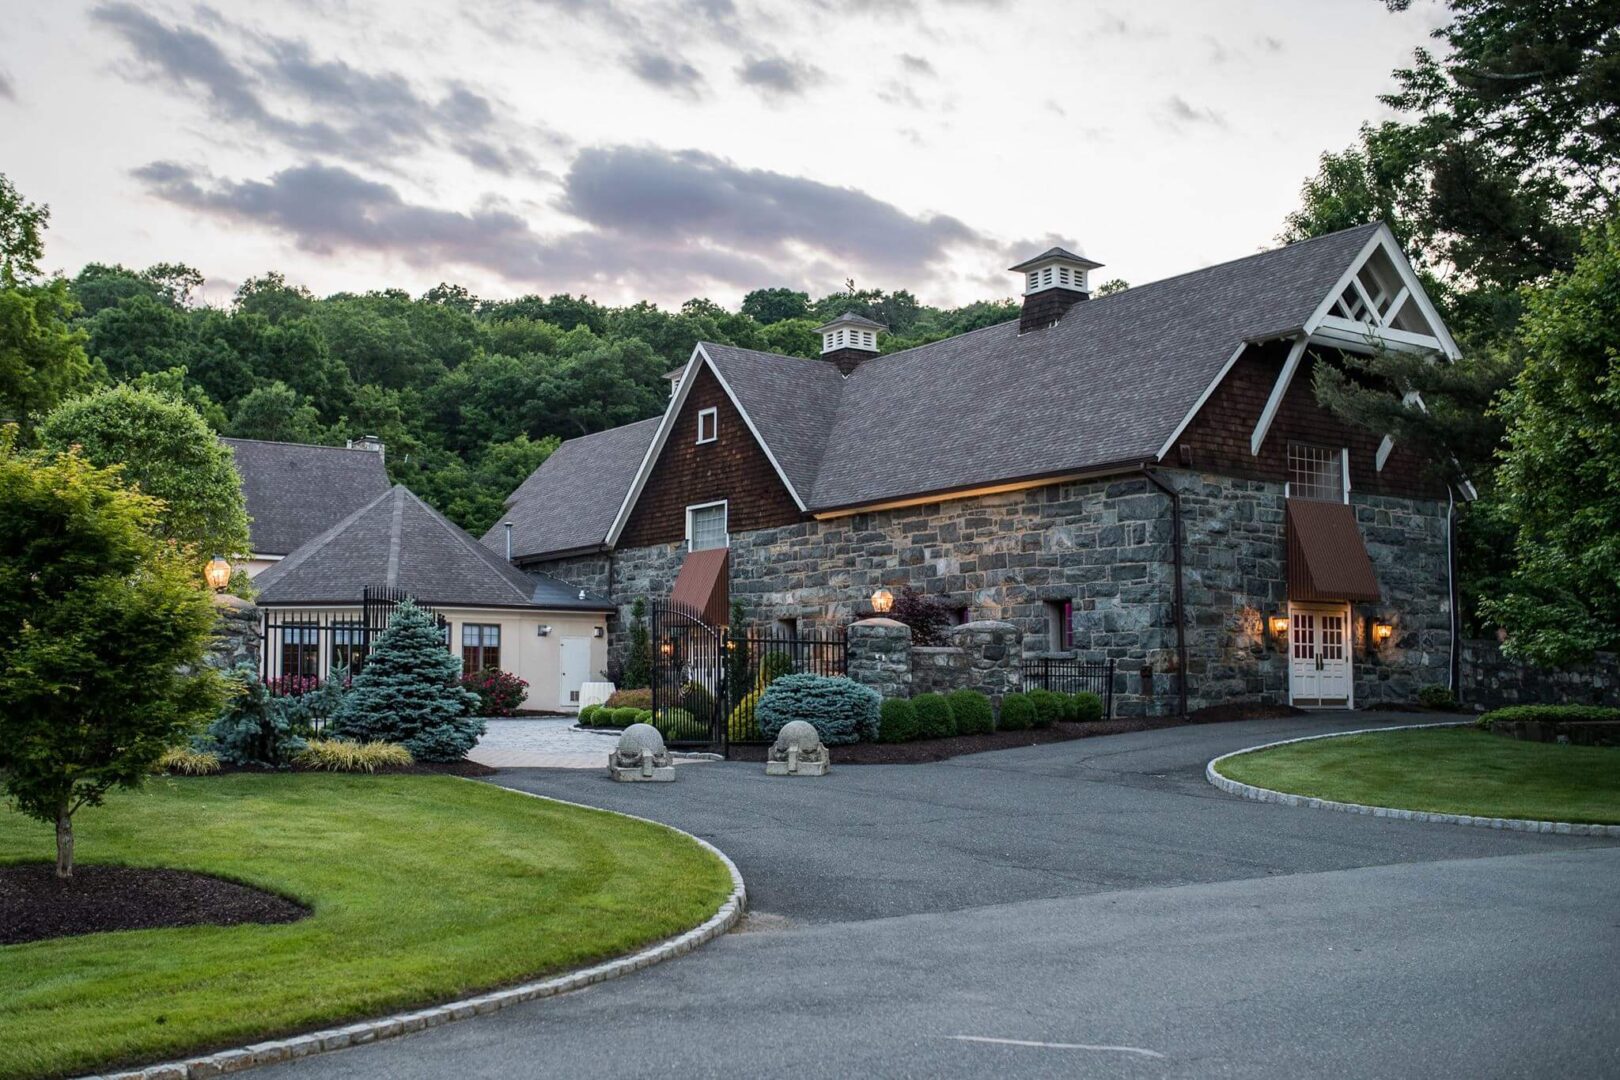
366	442
848	340
1054	281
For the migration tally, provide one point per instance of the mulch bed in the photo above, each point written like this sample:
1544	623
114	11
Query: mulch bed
35	904
926	750
463	767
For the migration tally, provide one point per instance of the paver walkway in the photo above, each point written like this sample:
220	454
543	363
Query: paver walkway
549	743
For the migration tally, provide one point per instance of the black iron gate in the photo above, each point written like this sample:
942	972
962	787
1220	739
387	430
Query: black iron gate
689	690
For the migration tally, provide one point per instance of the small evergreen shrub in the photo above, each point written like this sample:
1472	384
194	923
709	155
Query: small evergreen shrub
772	666
410	693
897	721
187	761
842	710
638	664
621	717
1017	713
676	724
1048	707
1436	696
643	716
586	712
934	717
740	725
499	692
343	755
1551	714
696	699
310	713
635	699
255	728
973	713
1084	708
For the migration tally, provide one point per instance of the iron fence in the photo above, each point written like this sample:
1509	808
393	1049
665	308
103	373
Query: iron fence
1072	677
300	648
755	657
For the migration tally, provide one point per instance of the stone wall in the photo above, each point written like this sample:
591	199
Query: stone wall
1491	680
237	637
938	669
993	658
1106	547
879	656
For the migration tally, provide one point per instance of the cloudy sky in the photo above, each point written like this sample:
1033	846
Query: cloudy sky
672	148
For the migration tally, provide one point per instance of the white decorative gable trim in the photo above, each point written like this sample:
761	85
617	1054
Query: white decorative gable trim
697	362
1379	302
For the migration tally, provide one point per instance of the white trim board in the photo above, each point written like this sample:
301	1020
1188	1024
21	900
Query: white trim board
1413	288
1279	390
697	362
1209	391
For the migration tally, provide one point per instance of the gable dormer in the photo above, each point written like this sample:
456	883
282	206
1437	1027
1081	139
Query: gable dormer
849	340
1054	281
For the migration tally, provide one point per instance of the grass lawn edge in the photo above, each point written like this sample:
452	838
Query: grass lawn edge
1225	783
271	1051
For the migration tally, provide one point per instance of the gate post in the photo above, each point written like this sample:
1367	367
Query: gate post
879	655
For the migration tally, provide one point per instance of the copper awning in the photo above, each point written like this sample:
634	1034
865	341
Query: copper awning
1327	559
703	588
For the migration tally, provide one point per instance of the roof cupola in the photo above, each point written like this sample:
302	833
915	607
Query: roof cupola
848	340
1054	281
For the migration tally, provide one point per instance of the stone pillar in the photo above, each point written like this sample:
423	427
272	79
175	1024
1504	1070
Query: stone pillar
994	652
880	656
237	637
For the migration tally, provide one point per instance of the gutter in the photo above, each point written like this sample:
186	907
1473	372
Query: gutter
1180	602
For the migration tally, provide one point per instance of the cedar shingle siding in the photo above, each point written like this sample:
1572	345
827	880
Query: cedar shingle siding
733	467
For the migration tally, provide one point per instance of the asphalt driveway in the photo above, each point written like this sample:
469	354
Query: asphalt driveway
1081	909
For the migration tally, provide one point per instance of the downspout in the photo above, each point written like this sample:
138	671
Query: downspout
1180	605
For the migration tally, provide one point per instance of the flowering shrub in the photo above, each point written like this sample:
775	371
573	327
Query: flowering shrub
499	692
630	699
291	685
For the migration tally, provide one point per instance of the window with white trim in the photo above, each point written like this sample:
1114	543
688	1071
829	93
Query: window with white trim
708	425
706	526
1315	472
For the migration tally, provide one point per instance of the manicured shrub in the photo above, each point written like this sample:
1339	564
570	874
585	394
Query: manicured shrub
696	699
741	725
499	692
1551	714
934	717
187	761
1436	696
772	666
638	664
254	728
842	710
1017	713
1084	708
586	713
621	717
643	716
897	721
973	713
635	699
410	693
677	724
344	755
1048	707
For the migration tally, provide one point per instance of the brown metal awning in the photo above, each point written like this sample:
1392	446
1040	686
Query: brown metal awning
703	586
1327	559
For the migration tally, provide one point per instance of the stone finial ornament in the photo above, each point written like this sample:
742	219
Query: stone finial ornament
641	756
798	751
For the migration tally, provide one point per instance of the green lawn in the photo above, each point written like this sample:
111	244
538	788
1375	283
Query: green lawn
1449	770
424	889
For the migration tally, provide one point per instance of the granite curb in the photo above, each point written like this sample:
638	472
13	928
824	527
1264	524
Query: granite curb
273	1051
1260	794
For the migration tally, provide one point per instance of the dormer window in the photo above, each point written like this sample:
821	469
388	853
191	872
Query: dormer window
708	425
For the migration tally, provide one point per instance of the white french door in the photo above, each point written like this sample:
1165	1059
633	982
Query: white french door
1319	655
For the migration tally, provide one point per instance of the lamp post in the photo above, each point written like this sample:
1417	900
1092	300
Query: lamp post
217	573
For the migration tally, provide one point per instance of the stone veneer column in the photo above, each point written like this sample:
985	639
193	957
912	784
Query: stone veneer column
237	638
994	656
880	656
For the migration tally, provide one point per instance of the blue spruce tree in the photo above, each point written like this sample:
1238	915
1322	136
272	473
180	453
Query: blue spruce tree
409	692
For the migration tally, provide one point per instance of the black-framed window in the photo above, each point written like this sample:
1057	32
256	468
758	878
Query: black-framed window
301	650
1060	625
480	646
348	647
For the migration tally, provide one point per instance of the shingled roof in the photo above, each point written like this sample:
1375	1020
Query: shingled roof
1107	385
397	541
296	491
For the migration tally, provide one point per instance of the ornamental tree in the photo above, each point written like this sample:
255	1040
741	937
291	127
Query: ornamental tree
103	627
410	692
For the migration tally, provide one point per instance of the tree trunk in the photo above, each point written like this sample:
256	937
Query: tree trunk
64	842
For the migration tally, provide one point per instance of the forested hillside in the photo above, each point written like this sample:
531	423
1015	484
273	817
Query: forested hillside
468	395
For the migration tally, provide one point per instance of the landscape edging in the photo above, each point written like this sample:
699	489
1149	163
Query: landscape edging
272	1051
1260	794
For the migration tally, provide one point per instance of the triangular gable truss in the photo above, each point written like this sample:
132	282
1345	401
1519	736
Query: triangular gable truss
698	360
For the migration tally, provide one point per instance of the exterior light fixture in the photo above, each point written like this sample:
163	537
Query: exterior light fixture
667	648
1382	632
1279	625
217	573
544	630
600	630
882	601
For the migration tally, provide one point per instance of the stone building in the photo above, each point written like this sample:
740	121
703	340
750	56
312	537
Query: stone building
1144	476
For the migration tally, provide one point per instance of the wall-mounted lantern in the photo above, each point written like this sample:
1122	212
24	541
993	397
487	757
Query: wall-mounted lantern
667	648
1382	632
882	601
1279	626
217	573
600	631
543	630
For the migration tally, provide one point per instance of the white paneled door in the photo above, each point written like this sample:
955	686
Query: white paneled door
1319	655
573	669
